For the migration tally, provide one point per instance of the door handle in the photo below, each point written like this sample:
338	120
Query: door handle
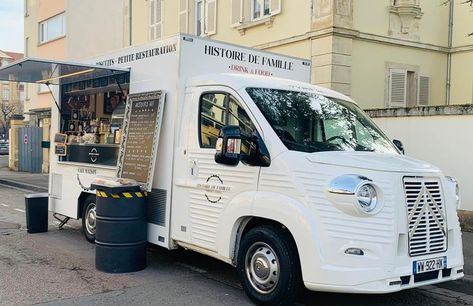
193	168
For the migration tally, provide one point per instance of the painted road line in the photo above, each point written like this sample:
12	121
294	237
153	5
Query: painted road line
4	205
20	210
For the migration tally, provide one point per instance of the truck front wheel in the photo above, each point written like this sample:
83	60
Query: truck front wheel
89	216
268	266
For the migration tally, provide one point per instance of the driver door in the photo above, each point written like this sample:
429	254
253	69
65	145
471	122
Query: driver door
205	189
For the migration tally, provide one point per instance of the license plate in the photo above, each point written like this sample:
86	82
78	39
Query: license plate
427	265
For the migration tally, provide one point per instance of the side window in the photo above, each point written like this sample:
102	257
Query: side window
212	118
218	110
238	116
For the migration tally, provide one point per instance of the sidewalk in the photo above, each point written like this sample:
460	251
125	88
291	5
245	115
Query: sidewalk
37	182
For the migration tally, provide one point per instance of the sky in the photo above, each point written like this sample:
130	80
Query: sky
11	25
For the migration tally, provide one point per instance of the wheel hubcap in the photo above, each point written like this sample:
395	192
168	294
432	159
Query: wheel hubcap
90	219
262	267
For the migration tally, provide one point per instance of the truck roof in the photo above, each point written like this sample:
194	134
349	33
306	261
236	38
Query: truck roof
239	81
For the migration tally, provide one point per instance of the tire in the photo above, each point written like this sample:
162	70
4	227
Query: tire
268	266
89	218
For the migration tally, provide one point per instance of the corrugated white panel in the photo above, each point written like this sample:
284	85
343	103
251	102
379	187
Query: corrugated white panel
337	224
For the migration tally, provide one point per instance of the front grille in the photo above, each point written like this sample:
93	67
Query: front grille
425	216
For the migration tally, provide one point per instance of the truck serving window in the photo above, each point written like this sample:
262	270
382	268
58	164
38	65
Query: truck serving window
309	122
218	110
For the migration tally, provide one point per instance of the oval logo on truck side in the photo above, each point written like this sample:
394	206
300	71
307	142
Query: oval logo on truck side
94	155
213	186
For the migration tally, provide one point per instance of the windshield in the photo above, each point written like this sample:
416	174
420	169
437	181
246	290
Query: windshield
309	122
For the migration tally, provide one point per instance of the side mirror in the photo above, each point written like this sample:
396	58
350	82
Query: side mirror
232	147
228	146
399	145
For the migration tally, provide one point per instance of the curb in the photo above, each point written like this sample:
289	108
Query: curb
23	186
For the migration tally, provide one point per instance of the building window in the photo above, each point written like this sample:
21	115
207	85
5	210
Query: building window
199	17
203	21
156	14
52	28
205	17
408	88
248	13
6	94
260	9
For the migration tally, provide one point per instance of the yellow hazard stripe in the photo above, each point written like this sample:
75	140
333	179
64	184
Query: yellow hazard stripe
127	195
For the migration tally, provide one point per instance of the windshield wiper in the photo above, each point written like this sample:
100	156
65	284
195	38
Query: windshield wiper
363	148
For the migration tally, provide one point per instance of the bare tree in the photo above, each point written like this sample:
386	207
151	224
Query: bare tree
7	109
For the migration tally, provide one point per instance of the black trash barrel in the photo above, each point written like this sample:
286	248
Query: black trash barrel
121	229
36	210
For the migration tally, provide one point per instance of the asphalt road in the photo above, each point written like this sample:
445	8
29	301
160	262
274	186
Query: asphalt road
57	268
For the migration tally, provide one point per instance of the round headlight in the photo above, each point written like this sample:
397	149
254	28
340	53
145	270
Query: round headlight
367	197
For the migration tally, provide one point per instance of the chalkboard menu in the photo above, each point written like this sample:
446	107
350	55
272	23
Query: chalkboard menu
139	144
60	138
60	150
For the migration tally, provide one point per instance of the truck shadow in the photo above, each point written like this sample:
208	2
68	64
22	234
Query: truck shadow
223	273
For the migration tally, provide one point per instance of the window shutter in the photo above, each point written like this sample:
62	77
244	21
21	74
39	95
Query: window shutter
397	87
275	7
152	19
423	90
210	17
159	18
183	16
237	12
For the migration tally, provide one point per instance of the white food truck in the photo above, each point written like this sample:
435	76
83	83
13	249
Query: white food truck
249	163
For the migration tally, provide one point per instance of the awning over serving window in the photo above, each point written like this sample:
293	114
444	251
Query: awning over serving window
54	72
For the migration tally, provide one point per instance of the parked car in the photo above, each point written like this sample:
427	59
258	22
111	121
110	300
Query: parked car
4	148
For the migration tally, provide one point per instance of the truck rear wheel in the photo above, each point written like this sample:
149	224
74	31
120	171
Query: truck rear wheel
89	217
268	266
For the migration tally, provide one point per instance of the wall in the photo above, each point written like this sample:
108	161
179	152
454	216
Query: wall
462	58
297	14
462	76
95	27
369	71
462	25
31	42
441	140
375	17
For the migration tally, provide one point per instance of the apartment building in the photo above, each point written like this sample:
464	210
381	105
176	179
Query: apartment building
384	53
66	30
12	94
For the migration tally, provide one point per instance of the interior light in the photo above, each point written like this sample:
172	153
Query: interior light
66	75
